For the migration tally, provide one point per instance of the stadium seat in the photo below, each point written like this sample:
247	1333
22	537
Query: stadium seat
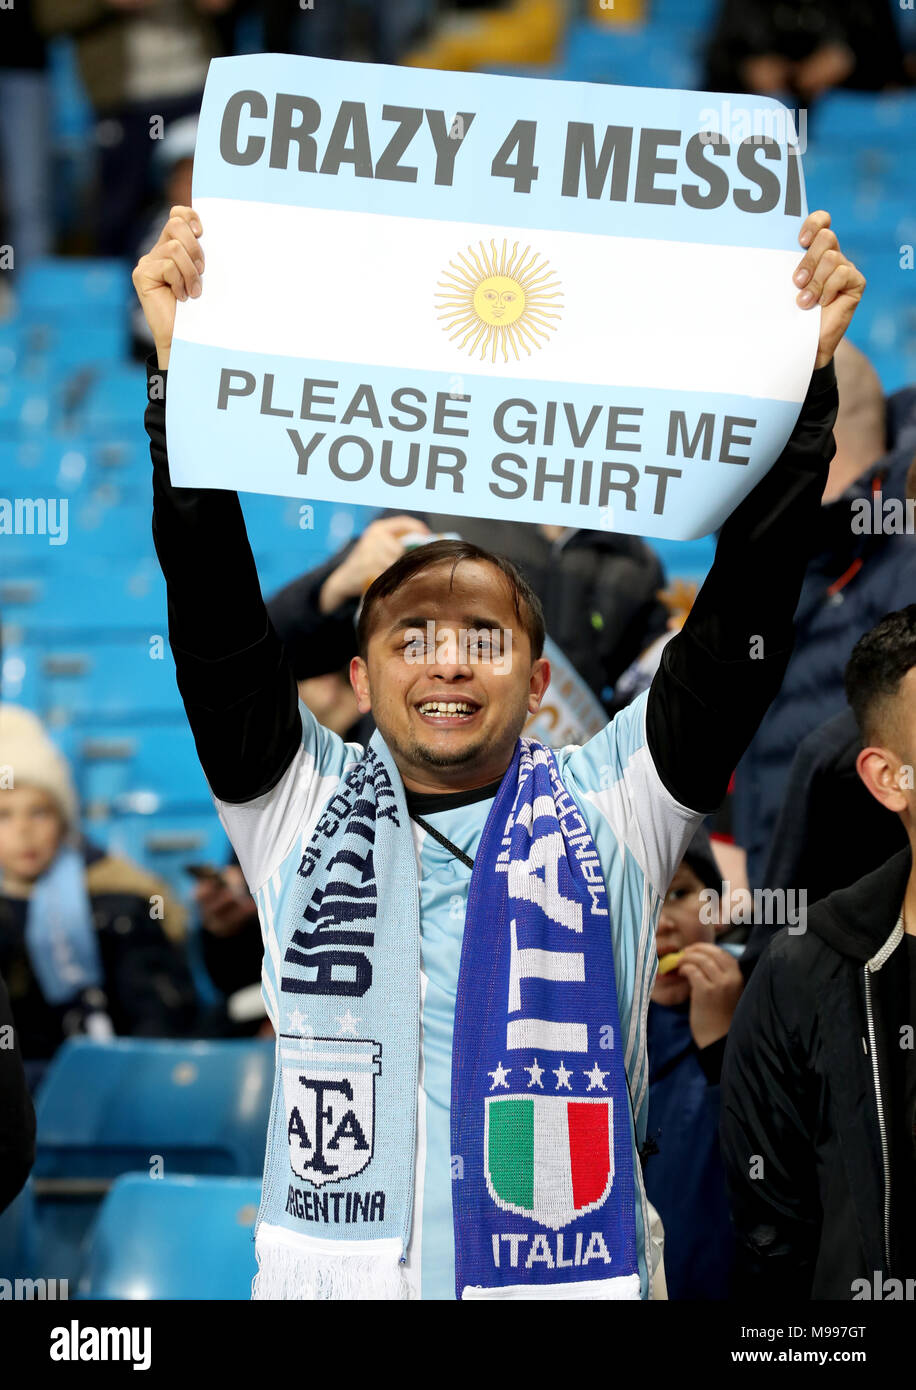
57	289
631	58
62	350
103	682
12	346
166	1107
106	1108
686	560
56	464
20	673
185	1238
88	596
866	118
115	399
134	769
25	406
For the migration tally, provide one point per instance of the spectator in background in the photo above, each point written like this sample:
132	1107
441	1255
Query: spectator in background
326	28
830	831
689	1017
24	136
856	575
819	1081
17	1116
231	947
139	60
802	48
88	943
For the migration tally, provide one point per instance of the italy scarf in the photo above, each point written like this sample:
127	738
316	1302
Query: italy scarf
543	1194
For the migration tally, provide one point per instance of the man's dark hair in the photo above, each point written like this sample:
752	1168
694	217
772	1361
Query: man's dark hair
878	664
527	604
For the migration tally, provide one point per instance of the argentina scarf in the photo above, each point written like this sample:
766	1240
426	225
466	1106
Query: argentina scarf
539	1112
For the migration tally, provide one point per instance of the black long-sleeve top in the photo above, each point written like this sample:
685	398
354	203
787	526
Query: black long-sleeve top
17	1117
716	679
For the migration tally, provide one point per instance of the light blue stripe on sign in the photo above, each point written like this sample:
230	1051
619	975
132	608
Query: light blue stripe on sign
399	177
641	490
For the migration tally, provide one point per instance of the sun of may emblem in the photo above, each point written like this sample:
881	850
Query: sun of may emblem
496	300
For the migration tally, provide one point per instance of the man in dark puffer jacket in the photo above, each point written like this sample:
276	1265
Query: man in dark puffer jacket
819	1080
853	579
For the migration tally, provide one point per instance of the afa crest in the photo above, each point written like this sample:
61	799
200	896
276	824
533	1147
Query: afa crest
329	1095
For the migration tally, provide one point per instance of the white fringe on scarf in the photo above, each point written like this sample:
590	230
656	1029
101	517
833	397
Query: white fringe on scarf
623	1286
294	1267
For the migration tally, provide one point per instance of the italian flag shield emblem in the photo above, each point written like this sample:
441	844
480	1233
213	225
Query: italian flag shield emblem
547	1157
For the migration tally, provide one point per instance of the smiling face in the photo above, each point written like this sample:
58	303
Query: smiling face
450	715
499	299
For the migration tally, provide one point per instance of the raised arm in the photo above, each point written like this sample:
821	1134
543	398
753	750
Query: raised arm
719	675
238	689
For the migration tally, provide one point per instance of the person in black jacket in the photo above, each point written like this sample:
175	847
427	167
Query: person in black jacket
17	1116
857	572
819	1080
803	47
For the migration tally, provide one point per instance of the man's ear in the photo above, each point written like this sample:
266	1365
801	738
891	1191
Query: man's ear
359	679
539	681
881	770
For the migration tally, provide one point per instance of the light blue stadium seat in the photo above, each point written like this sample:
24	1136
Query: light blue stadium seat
12	346
72	117
185	1238
103	682
95	345
26	407
628	57
60	288
122	533
104	1109
165	843
687	560
86	595
695	15
866	118
136	769
59	464
20	674
115	400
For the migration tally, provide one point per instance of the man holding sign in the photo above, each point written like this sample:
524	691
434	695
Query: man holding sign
459	925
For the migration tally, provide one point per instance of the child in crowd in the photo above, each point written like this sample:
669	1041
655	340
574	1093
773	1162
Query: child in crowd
690	1011
89	943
